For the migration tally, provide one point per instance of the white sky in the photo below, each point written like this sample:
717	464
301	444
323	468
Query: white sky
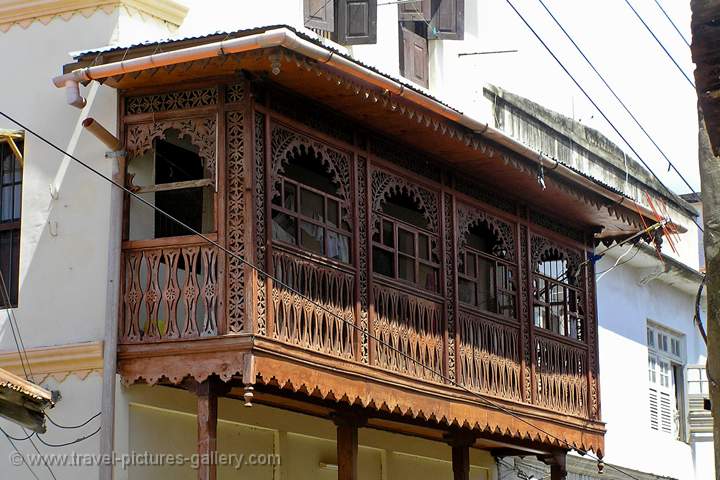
614	40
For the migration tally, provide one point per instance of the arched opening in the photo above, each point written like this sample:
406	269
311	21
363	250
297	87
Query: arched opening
486	280
557	300
403	247
307	207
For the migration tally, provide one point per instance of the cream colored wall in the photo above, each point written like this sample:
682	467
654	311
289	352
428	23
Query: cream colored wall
162	419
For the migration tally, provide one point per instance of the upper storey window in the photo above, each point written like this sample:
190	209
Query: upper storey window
486	277
308	208
558	292
404	246
172	166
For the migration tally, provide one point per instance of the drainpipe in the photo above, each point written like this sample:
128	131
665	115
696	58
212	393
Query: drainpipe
284	37
112	299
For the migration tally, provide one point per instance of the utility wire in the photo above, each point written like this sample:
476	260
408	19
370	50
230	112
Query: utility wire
660	43
672	23
590	99
24	460
42	457
72	427
77	440
612	91
487	401
13	320
18	439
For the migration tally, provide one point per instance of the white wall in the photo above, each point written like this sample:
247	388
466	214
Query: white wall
630	442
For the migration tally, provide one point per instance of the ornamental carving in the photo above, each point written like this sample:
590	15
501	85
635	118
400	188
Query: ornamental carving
525	315
163	102
200	132
363	256
235	93
468	217
235	212
259	182
541	246
384	184
287	144
450	257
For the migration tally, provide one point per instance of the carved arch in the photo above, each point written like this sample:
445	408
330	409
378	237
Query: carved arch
200	131
469	217
540	246
287	143
385	184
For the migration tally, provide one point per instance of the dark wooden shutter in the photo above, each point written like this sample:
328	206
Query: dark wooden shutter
356	22
414	58
417	11
319	14
448	19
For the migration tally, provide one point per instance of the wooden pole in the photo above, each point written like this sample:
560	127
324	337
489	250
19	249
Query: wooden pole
207	409
347	444
557	462
460	441
710	188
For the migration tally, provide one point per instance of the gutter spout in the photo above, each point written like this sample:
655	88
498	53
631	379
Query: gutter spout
72	94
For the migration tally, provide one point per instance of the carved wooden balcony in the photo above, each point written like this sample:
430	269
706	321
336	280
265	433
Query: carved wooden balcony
395	284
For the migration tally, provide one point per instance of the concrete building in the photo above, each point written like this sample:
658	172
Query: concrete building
67	254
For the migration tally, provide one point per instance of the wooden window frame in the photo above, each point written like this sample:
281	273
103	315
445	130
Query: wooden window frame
462	274
12	225
396	253
325	225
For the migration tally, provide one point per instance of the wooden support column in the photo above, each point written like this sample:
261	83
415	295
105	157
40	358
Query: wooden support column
207	410
460	441
556	460
347	443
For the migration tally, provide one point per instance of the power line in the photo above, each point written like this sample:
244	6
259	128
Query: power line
266	275
72	427
77	440
24	460
672	23
42	457
612	91
590	99
13	320
660	43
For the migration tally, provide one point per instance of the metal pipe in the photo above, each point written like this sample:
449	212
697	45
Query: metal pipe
283	37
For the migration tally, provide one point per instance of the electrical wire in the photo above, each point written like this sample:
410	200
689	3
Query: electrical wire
24	460
590	99
73	426
487	401
660	43
77	440
17	439
14	326
42	457
698	318
617	97
618	263
672	23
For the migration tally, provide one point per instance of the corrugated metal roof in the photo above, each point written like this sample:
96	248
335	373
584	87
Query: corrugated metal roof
223	35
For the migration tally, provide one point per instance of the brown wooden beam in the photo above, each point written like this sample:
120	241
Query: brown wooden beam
207	410
557	462
460	442
347	443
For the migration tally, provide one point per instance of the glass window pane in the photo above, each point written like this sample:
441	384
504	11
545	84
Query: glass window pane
470	267
333	212
383	262
17	202
428	277
312	237
6	212
388	234
466	291
290	197
406	268
406	242
540	316
284	228
423	246
338	247
312	205
506	305
461	263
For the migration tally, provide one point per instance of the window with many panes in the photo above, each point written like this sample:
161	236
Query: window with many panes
307	210
665	380
403	246
10	201
486	280
557	295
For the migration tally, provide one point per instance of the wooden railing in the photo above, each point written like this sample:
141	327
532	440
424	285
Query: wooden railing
170	290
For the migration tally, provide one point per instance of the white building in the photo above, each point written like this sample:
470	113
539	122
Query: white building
651	355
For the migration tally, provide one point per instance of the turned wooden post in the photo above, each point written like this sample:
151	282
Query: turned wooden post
347	444
460	442
207	409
